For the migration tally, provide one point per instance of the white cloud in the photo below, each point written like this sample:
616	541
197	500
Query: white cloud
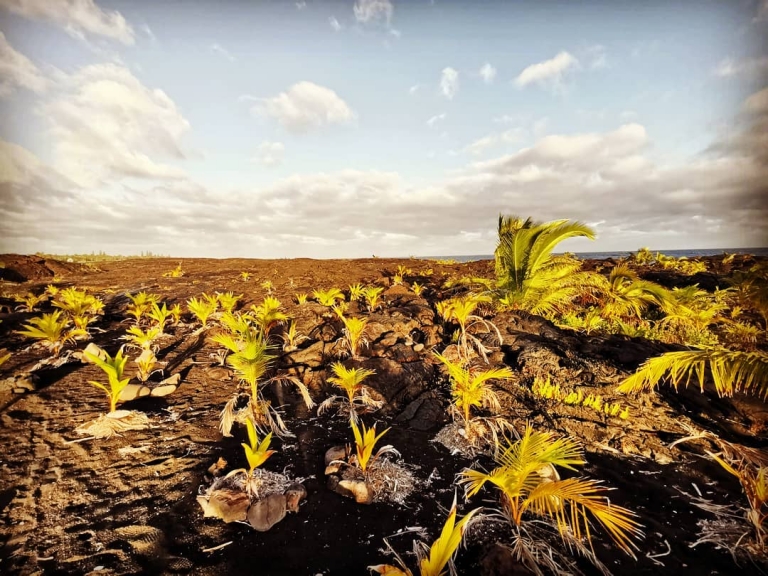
218	49
602	177
270	153
76	17
301	5
413	89
449	82
367	11
550	72
305	106
481	145
488	73
435	119
106	124
18	71
747	67
334	23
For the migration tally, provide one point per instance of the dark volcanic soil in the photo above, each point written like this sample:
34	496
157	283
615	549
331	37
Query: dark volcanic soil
127	505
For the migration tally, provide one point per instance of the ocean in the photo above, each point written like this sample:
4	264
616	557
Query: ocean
621	254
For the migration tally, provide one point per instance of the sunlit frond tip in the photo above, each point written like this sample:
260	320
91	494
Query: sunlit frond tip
730	371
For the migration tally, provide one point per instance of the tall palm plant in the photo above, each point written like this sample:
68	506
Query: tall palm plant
528	275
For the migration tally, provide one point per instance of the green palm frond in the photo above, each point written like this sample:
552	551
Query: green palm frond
731	371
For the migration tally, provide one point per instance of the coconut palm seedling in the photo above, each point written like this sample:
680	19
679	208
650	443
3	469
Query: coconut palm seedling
256	452
340	308
530	486
268	315
365	442
461	310
250	359
145	364
113	368
356	292
29	301
175	312
52	330
437	559
143	339
291	338
372	294
159	315
328	297
731	371
470	389
203	308
353	334
81	306
140	304
175	273
350	380
228	300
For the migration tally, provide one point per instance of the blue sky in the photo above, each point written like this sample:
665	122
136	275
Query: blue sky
344	129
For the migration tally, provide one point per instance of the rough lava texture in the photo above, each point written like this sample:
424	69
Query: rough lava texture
127	505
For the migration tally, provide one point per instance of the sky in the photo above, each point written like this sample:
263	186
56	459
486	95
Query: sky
344	129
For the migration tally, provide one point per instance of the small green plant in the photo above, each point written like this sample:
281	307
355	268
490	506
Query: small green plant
228	300
175	312
350	380
268	286
365	442
175	273
256	452
301	299
354	334
462	311
52	330
245	276
145	365
372	294
159	315
470	390
356	292
4	357
203	308
291	338
140	304
417	288
143	339
328	297
545	389
268	315
113	368
30	301
434	559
